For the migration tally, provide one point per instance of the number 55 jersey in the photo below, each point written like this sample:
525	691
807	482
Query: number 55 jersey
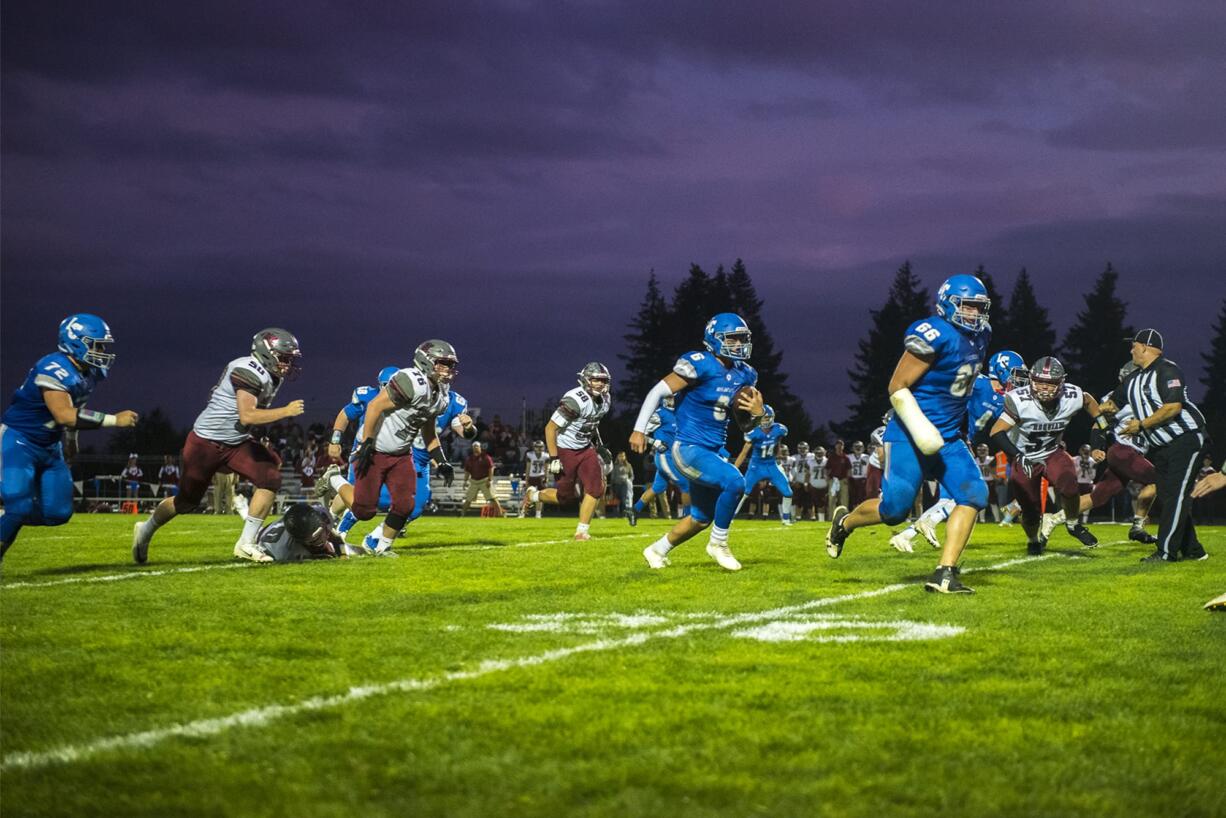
943	391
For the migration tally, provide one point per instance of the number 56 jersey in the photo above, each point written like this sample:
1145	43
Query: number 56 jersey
943	391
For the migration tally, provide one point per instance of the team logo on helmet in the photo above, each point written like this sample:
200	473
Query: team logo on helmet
277	350
437	360
728	336
386	374
595	378
87	338
1008	369
963	301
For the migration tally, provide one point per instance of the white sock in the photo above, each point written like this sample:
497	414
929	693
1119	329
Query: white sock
538	511
151	525
719	536
909	532
251	527
385	542
662	546
786	508
336	481
582	528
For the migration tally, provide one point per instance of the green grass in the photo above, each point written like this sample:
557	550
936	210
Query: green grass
1082	684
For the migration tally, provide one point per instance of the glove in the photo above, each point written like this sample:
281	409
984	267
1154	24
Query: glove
364	457
1029	467
447	472
555	466
604	454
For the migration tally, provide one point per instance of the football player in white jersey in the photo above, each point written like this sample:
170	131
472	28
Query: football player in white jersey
221	438
571	437
1030	431
857	478
402	410
536	462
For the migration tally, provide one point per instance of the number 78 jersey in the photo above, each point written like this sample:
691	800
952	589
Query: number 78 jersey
944	390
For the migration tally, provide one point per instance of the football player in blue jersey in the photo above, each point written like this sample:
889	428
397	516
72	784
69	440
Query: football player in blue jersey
929	390
35	481
662	431
708	386
354	412
760	446
1006	370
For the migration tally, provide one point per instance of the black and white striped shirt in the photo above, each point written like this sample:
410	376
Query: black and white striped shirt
1146	390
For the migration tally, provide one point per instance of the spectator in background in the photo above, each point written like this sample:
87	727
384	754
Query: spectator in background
168	477
840	471
819	484
223	492
621	480
857	477
478	472
1086	466
987	469
799	470
132	476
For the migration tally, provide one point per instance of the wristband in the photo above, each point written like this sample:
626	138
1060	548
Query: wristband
437	456
337	436
91	419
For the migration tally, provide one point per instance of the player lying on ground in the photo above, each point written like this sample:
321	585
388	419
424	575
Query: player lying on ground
304	532
707	385
36	483
929	391
221	440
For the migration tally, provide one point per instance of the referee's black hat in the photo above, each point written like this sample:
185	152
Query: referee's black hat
1148	337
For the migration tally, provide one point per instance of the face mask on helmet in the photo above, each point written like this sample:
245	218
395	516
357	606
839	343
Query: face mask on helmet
595	378
437	360
87	338
1046	390
728	336
963	301
1047	379
277	349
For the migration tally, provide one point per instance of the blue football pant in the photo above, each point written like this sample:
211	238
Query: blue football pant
716	486
767	471
953	467
36	485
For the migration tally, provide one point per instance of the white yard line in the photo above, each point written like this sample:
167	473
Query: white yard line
260	716
133	574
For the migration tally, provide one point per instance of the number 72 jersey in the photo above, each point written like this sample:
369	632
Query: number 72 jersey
943	391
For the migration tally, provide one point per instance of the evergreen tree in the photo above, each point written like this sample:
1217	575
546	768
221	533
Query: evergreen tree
154	435
999	316
1093	352
878	353
1213	405
650	352
1029	330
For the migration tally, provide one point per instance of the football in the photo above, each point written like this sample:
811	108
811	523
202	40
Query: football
740	415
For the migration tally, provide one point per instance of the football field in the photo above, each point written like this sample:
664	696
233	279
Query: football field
498	668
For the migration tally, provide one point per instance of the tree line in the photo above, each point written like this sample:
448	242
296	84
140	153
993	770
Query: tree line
1092	350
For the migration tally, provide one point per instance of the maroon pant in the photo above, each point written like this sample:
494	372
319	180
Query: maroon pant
857	488
582	466
537	482
872	483
397	472
203	458
1061	473
1124	463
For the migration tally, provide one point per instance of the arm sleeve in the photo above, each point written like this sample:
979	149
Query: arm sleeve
652	402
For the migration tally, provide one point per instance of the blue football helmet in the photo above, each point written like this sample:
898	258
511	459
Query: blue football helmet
955	298
768	416
728	336
387	373
1008	368
86	337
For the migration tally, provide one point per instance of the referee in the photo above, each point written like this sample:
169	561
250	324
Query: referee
1174	428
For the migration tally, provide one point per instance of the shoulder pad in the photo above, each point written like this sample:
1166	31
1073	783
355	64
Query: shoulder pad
459	400
783	430
244	375
690	365
406	385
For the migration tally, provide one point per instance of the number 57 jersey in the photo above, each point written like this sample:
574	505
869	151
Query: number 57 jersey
943	391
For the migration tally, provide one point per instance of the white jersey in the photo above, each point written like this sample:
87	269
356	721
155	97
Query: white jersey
418	402
859	466
800	467
987	467
876	442
1085	469
1038	432
1124	415
219	420
819	472
536	463
577	418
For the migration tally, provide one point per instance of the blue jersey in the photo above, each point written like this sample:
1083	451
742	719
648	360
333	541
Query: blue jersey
666	432
702	408
943	391
765	442
985	406
456	406
28	414
355	410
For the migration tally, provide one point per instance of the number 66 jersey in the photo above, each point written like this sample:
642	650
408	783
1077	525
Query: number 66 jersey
943	391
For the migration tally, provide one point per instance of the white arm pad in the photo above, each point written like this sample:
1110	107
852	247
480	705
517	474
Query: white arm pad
925	435
650	404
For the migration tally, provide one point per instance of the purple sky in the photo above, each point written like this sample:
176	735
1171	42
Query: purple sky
504	175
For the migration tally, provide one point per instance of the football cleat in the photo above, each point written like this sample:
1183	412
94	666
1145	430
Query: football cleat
723	555
1139	534
324	493
946	580
837	535
901	542
1083	535
370	544
1048	524
1036	549
929	530
140	544
582	536
631	517
1157	557
251	551
654	558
